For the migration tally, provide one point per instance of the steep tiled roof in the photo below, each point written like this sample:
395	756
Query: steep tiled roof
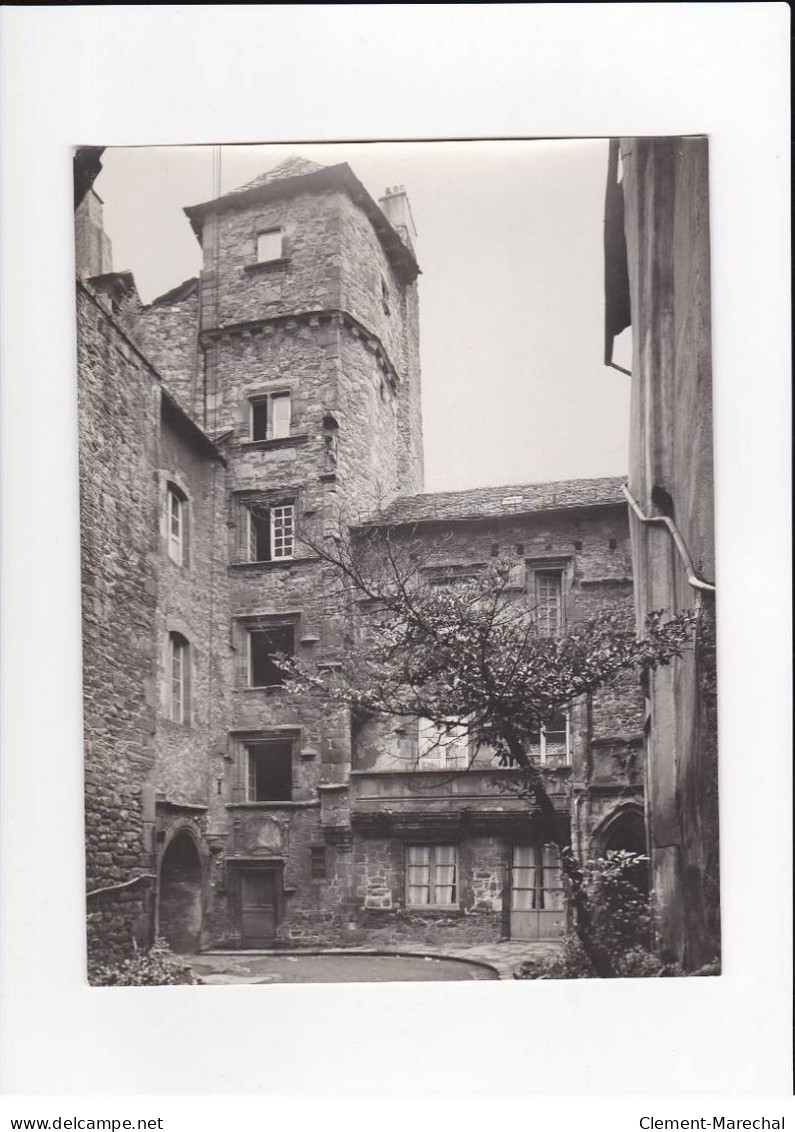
291	167
493	502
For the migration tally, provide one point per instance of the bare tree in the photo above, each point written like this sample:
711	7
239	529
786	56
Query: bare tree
467	653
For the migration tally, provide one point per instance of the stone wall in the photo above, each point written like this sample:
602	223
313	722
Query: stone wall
665	186
192	601
118	407
167	331
92	247
383	917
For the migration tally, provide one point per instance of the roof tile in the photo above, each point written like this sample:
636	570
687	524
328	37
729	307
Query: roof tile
494	502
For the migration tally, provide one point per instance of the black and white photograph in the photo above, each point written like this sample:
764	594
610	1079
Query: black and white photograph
395	567
398	561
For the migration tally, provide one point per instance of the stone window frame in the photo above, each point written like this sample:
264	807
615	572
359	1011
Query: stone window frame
539	866
240	741
554	564
177	637
318	861
243	502
242	628
456	904
542	758
271	230
172	485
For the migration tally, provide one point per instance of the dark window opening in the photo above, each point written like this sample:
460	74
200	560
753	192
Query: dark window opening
269	771
577	544
612	544
259	419
263	645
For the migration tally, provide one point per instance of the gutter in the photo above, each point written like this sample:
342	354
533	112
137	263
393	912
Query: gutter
692	577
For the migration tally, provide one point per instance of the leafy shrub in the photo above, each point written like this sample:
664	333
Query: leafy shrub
157	967
622	926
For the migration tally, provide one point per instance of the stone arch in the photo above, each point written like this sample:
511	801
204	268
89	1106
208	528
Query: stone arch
180	893
625	828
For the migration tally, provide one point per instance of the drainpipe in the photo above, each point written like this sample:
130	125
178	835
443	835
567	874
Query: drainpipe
692	577
119	887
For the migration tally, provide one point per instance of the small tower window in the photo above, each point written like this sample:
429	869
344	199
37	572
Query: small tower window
385	295
178	678
269	245
270	416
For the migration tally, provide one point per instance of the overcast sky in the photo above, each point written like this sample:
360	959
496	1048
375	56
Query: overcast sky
511	291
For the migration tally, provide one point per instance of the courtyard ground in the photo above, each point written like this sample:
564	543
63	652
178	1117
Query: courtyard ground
408	964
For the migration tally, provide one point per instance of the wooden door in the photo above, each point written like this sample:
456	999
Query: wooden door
258	907
537	905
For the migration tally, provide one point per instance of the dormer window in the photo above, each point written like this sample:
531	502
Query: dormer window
270	416
270	245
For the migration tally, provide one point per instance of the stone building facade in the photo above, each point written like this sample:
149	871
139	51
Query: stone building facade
658	281
218	423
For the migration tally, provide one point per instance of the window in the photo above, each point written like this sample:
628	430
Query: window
269	771
178	678
441	749
271	532
551	746
269	245
549	602
176	524
270	416
317	862
263	644
536	879
431	876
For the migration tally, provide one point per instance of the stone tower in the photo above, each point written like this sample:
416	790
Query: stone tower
308	376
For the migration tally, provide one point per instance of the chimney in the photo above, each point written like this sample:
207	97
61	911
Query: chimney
396	208
93	254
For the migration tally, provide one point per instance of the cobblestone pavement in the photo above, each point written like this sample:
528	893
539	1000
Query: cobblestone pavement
228	968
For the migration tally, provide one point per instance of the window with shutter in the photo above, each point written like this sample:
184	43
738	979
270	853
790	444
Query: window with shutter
176	524
551	746
269	771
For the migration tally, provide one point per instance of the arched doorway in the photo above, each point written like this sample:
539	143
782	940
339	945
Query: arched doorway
180	898
627	831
